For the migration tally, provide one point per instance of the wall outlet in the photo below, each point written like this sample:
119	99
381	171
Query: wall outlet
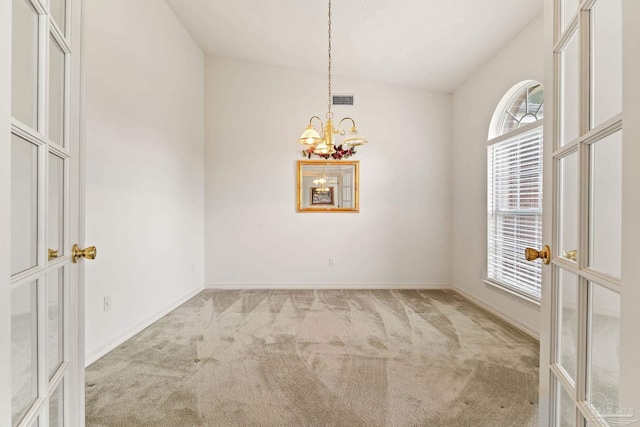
107	303
331	262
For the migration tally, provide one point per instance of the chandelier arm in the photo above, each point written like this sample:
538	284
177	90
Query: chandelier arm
319	119
340	130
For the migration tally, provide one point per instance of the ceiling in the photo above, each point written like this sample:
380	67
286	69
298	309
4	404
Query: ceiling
432	44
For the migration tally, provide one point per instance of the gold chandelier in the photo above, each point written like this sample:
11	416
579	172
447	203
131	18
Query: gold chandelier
325	144
323	180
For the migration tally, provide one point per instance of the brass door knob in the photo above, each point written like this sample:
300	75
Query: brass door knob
89	253
531	254
571	255
53	254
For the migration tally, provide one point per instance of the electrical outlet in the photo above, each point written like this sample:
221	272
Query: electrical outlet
331	262
107	303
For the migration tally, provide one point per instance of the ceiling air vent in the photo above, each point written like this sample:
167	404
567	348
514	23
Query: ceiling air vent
342	99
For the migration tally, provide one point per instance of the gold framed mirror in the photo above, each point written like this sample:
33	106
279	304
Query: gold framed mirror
328	186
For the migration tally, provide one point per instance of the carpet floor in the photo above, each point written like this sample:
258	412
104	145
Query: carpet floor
319	358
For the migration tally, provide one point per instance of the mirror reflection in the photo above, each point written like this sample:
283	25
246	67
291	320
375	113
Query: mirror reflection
327	186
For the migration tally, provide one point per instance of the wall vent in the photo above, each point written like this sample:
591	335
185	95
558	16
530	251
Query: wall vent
342	99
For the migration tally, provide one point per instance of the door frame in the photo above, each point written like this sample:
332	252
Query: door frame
630	295
78	197
76	410
546	311
5	213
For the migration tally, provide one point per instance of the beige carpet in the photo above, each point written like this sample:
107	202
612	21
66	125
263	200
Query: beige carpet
319	358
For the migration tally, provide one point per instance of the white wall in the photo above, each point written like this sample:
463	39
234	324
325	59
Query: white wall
473	105
254	116
145	179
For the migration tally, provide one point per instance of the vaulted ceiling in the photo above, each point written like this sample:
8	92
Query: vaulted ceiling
432	44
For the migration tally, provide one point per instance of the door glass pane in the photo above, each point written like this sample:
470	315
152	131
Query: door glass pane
606	204
606	17
565	414
55	286
56	93
569	10
568	322
24	63
56	408
568	192
58	13
570	76
24	204
56	204
23	349
604	367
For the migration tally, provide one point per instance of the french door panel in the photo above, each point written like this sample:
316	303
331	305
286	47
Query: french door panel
41	211
586	167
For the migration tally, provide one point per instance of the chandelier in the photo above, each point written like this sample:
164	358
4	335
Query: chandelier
322	180
325	144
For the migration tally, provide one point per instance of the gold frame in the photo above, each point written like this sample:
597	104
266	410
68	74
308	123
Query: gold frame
356	186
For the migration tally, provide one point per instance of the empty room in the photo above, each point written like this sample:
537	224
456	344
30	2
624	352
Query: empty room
319	213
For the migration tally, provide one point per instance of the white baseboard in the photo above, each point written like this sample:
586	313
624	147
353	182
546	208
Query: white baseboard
280	285
110	345
513	322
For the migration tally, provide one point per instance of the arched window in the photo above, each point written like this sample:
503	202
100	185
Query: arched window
514	190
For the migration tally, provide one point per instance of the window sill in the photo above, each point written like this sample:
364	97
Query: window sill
515	295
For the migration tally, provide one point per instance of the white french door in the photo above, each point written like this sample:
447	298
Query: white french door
582	342
45	356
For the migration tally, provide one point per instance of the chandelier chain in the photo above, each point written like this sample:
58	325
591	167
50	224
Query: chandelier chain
329	114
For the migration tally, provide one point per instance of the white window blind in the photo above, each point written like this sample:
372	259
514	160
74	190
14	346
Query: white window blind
515	211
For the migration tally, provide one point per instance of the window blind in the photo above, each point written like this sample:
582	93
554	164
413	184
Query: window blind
515	211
